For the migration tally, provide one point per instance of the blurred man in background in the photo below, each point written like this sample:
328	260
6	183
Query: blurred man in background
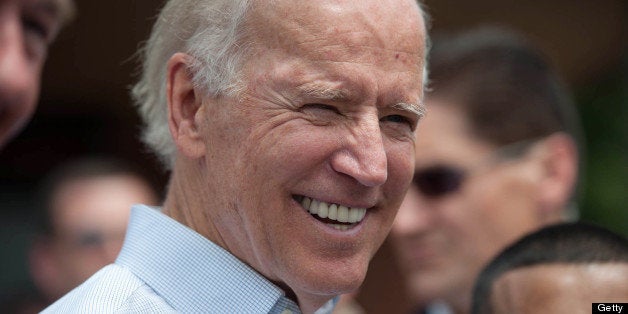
85	210
495	158
27	28
562	268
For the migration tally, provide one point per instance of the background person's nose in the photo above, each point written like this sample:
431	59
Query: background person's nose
15	72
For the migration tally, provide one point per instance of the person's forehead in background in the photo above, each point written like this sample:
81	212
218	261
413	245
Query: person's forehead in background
98	204
559	288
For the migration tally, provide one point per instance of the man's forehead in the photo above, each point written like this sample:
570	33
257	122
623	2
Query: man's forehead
336	34
559	285
538	279
320	23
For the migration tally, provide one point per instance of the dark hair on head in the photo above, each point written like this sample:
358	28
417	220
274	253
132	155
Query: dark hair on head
506	88
564	243
74	170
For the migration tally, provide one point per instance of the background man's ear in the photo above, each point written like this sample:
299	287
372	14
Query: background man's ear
560	169
184	105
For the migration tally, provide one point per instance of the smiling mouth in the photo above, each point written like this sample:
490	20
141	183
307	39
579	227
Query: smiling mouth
339	217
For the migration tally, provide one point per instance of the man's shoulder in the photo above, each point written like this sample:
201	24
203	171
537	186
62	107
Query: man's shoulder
113	289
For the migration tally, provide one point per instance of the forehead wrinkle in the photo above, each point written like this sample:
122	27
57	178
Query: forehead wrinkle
300	34
324	48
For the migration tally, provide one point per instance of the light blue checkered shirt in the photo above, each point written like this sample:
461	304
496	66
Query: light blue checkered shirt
165	267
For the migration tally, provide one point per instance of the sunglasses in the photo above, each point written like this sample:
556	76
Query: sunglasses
438	181
441	180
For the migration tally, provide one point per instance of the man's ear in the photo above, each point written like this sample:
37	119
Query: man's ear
560	171
184	107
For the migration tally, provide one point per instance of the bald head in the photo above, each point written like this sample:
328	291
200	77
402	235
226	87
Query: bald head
561	268
559	288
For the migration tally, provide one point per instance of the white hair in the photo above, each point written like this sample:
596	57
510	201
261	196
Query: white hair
208	31
211	33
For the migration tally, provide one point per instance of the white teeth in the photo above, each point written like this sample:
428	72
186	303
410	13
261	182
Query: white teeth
323	210
362	214
341	227
336	212
333	212
353	216
357	215
313	207
343	214
306	202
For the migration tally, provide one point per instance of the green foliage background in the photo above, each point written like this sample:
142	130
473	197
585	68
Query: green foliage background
603	108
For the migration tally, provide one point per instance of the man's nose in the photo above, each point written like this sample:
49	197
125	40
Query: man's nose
363	155
15	72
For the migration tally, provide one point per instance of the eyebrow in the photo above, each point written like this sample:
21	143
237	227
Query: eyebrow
324	92
418	109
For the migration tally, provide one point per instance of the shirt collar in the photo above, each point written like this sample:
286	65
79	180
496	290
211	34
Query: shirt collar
190	272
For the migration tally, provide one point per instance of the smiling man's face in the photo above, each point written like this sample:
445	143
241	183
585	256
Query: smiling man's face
309	165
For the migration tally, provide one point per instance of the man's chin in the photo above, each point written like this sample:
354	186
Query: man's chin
329	285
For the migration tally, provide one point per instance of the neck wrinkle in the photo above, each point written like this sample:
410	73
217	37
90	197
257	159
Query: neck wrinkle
187	204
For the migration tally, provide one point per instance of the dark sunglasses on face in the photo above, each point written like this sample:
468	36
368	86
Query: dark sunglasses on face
440	180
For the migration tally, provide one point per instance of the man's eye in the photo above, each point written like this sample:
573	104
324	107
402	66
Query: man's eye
37	34
396	118
320	107
34	27
90	239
